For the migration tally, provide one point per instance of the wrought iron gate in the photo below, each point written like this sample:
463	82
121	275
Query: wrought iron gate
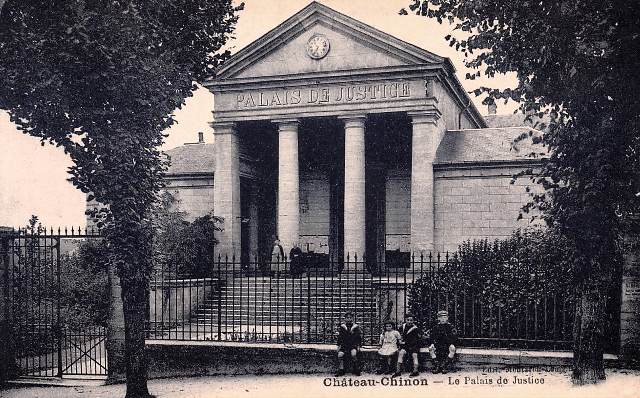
44	343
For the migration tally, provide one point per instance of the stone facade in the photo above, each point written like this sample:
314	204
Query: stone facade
479	203
364	141
193	195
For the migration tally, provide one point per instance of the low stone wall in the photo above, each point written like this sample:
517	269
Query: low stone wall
174	359
174	300
194	359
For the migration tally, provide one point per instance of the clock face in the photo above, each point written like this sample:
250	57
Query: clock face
317	46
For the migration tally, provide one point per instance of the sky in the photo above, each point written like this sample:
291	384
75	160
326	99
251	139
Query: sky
33	178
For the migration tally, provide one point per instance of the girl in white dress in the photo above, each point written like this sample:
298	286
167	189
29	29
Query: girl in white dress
390	339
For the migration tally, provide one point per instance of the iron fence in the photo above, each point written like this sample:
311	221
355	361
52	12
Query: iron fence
303	301
46	340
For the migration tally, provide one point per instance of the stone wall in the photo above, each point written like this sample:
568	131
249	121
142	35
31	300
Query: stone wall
194	195
478	203
175	300
470	203
398	210
314	212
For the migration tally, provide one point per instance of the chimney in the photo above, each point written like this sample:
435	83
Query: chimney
200	137
493	108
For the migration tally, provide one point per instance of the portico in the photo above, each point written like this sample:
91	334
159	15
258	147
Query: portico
339	125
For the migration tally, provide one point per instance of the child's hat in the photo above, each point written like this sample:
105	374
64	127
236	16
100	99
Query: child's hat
443	313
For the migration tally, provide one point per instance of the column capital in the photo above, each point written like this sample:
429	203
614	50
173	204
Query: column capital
287	124
223	127
354	120
430	116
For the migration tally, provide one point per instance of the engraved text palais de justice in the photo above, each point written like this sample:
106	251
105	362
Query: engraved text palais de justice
324	95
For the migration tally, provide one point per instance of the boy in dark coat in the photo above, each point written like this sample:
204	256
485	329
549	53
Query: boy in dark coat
349	342
411	341
443	340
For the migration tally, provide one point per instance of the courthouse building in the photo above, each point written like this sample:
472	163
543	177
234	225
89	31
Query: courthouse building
346	140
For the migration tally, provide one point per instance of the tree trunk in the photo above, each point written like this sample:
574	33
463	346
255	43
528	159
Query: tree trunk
588	335
134	307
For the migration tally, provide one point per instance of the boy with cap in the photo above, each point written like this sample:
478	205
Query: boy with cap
443	339
411	339
349	342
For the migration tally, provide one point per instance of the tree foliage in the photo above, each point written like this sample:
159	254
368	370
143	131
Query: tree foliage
101	79
493	289
84	285
187	247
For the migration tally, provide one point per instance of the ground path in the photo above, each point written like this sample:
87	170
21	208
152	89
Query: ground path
620	383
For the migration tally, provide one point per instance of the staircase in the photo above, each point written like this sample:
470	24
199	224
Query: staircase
295	310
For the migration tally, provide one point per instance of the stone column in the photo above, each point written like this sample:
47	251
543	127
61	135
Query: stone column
288	184
226	191
426	135
354	188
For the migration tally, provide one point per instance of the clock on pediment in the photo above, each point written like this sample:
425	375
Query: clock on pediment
318	46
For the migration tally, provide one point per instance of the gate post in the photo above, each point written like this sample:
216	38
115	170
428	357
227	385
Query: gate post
115	331
8	368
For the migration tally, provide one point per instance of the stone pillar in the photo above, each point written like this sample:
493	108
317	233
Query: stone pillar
426	135
630	303
226	190
354	188
8	366
115	345
288	184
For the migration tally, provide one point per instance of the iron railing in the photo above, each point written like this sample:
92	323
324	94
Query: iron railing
277	301
45	341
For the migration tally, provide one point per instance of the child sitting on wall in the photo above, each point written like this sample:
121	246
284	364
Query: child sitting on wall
349	343
389	341
410	345
443	339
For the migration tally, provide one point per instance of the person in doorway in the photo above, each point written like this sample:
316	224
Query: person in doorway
389	341
277	257
295	259
349	343
411	340
443	340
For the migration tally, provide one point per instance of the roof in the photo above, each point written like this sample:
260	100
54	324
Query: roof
191	159
514	120
487	145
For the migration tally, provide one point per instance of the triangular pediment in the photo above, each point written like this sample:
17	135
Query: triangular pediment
353	45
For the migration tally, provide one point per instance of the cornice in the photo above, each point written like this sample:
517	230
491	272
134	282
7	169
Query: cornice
338	76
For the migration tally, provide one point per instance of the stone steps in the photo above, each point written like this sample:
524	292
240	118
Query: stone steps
271	302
